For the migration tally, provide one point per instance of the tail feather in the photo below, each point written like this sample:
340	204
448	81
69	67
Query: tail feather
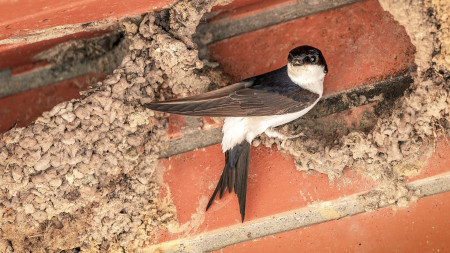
234	175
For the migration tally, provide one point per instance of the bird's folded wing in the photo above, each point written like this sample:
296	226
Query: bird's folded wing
238	101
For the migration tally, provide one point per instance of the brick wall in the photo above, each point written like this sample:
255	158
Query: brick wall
288	210
369	55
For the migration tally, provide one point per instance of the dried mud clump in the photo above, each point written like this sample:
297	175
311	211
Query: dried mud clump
401	138
439	10
80	177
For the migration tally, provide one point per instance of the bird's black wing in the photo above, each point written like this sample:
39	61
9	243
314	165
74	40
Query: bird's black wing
269	94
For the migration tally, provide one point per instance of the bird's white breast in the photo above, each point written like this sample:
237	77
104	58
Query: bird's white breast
237	129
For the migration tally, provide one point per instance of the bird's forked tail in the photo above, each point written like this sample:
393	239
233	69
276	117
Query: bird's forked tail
234	175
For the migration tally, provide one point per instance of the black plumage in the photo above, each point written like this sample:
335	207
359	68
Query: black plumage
234	175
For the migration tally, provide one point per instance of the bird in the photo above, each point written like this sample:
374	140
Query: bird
254	106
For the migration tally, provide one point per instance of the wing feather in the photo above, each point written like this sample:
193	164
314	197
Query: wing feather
240	103
269	94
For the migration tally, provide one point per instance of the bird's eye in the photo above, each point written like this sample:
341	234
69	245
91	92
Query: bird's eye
312	59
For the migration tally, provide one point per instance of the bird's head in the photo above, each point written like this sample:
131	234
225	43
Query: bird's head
306	66
307	56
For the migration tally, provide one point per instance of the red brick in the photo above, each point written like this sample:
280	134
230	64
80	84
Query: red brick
350	118
210	123
437	163
274	186
422	227
361	43
22	16
234	4
27	106
177	124
247	8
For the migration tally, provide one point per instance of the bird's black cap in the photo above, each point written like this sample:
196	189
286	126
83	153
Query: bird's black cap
304	55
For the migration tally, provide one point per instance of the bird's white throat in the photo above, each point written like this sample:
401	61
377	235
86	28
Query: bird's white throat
309	77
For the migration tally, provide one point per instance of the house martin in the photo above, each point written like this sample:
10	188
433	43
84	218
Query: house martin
253	106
